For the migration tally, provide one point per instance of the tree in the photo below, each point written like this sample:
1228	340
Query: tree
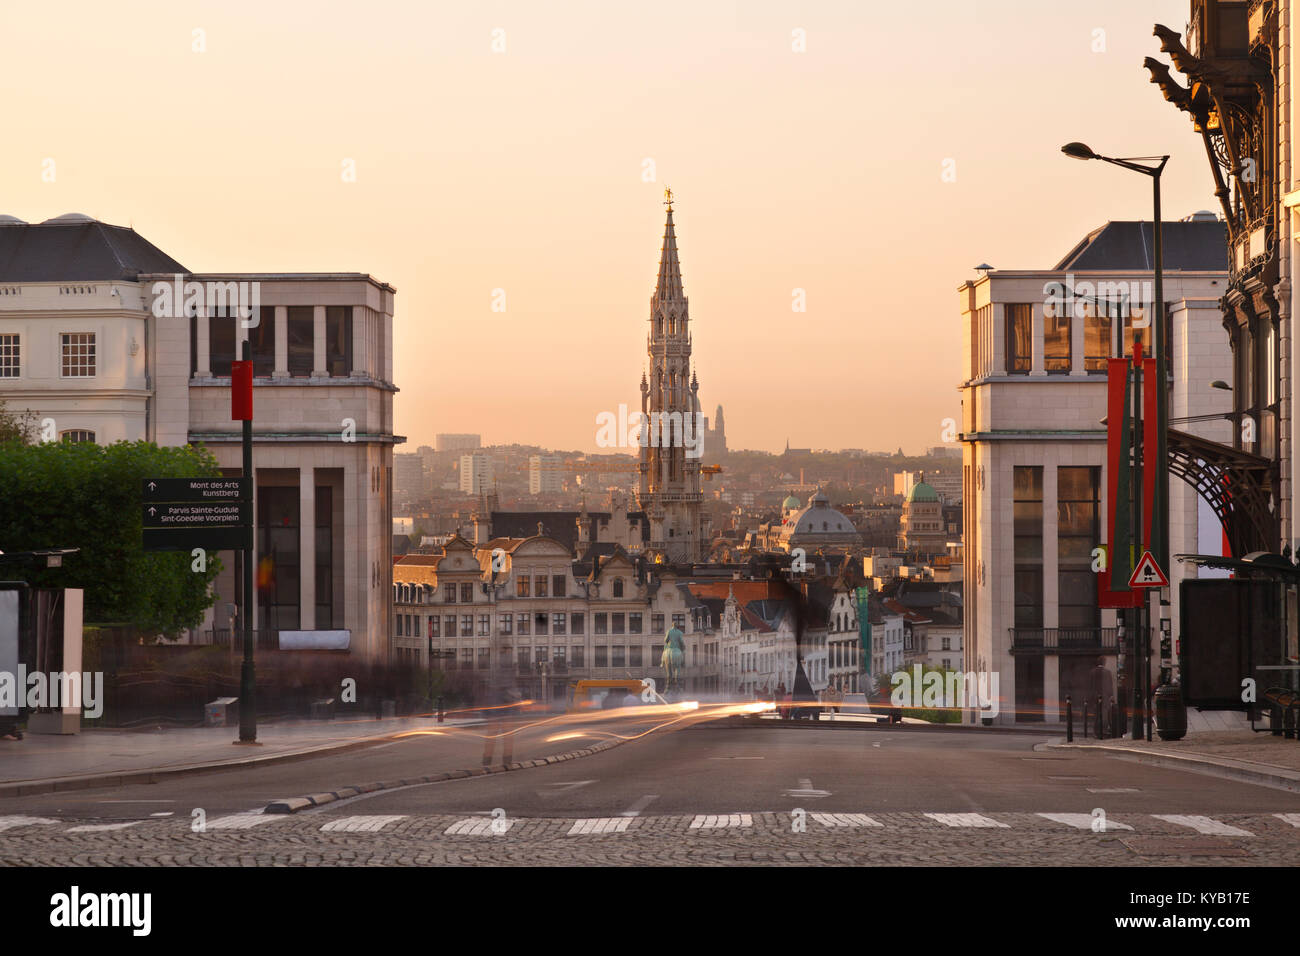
87	496
14	427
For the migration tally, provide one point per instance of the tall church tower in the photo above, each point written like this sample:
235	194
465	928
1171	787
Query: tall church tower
669	488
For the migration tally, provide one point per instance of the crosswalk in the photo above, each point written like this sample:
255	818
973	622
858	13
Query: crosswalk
484	825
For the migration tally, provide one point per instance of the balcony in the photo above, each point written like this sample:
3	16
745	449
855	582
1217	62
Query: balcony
1036	641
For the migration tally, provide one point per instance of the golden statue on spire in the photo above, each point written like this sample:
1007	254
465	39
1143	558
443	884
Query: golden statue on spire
668	198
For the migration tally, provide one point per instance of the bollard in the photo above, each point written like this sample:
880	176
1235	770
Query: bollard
1069	720
1101	729
1115	729
1085	718
1137	713
441	715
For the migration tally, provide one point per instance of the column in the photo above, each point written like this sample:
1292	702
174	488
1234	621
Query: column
360	323
1078	365
1052	693
201	352
1037	365
999	345
318	369
307	548
281	369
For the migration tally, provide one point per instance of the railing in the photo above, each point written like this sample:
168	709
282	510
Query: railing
1055	640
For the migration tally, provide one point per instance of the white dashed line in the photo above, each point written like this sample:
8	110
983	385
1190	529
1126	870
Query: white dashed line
636	808
1291	818
361	824
596	825
845	820
242	821
721	821
1084	821
9	823
97	827
479	826
1205	825
965	820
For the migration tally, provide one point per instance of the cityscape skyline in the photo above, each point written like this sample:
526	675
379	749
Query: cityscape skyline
449	209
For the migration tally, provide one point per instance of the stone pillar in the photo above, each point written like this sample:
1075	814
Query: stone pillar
318	343
202	355
307	548
1052	692
1037	363
281	369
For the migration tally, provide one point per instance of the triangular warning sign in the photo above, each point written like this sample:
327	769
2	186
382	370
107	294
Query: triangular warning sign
1147	574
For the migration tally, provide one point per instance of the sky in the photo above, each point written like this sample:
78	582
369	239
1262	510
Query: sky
461	151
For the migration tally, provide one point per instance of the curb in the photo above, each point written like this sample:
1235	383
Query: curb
295	804
1277	777
27	788
920	728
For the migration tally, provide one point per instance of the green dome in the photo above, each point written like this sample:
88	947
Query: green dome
791	502
922	492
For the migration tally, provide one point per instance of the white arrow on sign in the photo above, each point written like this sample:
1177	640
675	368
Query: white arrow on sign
152	486
152	512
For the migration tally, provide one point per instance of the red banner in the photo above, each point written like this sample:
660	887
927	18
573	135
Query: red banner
241	391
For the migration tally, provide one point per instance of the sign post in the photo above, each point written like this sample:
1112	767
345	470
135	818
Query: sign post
241	409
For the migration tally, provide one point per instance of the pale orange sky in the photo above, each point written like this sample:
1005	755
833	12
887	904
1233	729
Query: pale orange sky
522	171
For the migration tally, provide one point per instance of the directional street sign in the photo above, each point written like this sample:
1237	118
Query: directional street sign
1147	574
181	514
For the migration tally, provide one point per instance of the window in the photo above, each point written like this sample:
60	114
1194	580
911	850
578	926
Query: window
618	656
541	586
449	594
602	626
435	627
679	620
76	435
618	587
1145	333
558	587
467	593
524	623
1056	343
1020	327
523	587
300	336
525	658
656	623
1027	506
618	623
539	621
576	652
557	623
634	623
542	656
559	659
634	656
507	623
467	658
79	354
338	340
11	365
450	629
262	339
577	621
602	656
1078	528
484	625
947	644
467	625
1096	339
484	659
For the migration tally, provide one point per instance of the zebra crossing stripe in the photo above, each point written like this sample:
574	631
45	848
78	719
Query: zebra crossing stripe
1084	821
600	825
361	824
10	823
1206	825
965	820
845	820
100	827
721	821
242	821
1291	818
479	826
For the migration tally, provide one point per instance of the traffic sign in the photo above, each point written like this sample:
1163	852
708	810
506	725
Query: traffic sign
196	489
1147	574
205	514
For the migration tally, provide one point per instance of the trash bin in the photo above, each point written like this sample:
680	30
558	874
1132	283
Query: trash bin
222	712
1170	712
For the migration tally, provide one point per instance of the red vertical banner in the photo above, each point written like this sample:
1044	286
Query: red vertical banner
1118	475
241	391
1150	457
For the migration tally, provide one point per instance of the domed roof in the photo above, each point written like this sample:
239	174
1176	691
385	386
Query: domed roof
11	221
923	493
820	518
791	502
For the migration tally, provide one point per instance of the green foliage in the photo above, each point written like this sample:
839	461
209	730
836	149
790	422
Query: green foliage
17	427
87	496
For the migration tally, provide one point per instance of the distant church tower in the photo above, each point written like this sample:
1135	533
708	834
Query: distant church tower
669	488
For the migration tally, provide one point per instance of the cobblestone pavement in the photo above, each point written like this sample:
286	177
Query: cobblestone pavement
872	838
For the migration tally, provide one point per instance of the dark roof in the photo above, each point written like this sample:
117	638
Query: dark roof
1192	246
78	251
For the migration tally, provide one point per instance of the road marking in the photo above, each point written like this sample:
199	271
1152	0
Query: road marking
595	825
1291	818
806	790
875	745
1084	821
135	801
721	821
1112	789
164	813
845	820
10	823
479	826
242	821
362	824
1206	825
636	808
97	827
555	789
965	820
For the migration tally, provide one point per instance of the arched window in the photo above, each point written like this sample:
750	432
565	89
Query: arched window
659	326
618	587
77	435
672	325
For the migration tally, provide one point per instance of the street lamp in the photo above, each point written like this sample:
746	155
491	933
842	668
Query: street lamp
1151	166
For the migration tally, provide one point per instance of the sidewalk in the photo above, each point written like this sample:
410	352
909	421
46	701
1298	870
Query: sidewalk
1237	754
41	763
